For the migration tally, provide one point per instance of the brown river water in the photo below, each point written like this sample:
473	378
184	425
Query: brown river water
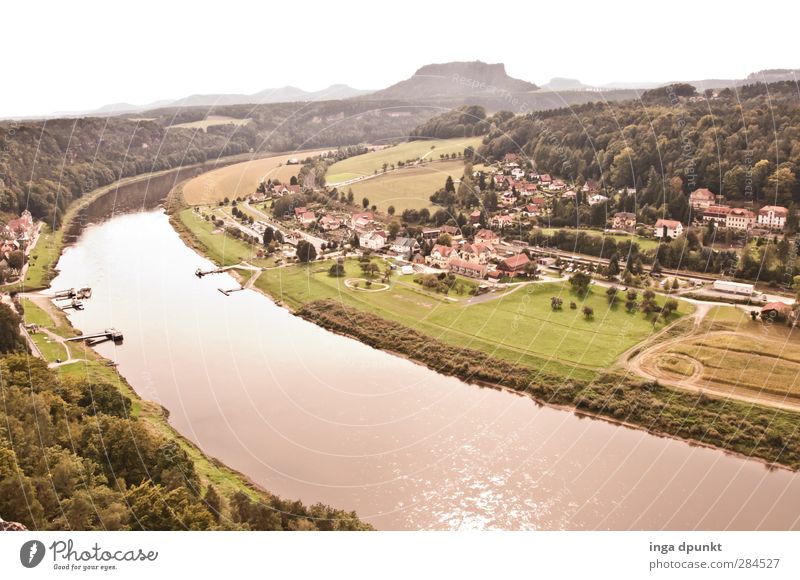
316	416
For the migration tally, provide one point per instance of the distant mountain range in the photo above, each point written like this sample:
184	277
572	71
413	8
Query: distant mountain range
279	95
448	85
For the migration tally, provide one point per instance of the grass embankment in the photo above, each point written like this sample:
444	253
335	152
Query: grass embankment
644	243
215	243
407	188
519	326
751	430
369	163
93	368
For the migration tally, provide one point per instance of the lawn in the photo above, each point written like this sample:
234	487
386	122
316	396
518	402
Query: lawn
210	121
218	246
407	188
241	179
518	326
369	163
644	243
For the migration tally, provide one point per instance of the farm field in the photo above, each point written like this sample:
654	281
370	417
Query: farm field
407	188
241	178
210	121
644	243
518	325
369	163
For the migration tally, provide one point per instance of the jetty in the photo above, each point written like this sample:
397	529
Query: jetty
200	273
107	334
73	293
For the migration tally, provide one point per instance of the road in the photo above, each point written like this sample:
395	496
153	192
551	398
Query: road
314	240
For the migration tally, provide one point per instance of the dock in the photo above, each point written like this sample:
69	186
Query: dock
200	273
107	334
228	292
73	294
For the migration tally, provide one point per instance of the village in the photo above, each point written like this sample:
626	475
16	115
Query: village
493	247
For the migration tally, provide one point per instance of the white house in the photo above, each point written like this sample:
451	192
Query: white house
441	255
740	218
372	240
404	247
597	198
701	198
772	217
668	229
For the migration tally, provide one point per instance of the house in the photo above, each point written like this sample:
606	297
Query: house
330	223
299	211
431	233
624	220
374	240
510	158
701	198
20	228
404	247
556	185
740	218
475	217
514	264
453	231
486	236
279	189
517	173
591	186
545	179
597	198
776	311
501	221
668	229
294	189
569	195
258	196
440	256
459	266
528	189
307	218
717	214
770	216
362	220
476	253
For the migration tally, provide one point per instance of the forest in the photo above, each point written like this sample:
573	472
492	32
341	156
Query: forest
47	164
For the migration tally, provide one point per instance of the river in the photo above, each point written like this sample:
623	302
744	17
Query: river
315	416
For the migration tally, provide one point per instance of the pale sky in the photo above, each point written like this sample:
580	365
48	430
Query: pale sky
66	56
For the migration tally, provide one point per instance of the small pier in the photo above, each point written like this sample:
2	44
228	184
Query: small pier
228	292
74	304
72	294
200	273
107	334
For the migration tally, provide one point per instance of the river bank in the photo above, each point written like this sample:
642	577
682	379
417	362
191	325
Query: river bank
94	367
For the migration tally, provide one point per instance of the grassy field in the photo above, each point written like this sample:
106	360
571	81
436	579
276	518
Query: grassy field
751	357
241	179
518	326
367	164
644	243
210	121
217	245
407	188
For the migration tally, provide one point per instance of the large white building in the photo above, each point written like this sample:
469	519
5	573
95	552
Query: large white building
668	229
772	217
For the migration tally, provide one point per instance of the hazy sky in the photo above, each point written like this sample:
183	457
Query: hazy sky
61	56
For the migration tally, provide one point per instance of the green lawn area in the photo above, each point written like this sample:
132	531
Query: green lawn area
407	188
518	326
368	163
644	243
220	247
35	315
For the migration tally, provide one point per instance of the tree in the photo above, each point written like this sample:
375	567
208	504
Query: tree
449	186
293	180
588	312
269	235
580	282
781	183
444	240
337	269
390	210
213	502
612	271
394	229
16	260
10	338
611	294
556	302
655	268
365	203
306	252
